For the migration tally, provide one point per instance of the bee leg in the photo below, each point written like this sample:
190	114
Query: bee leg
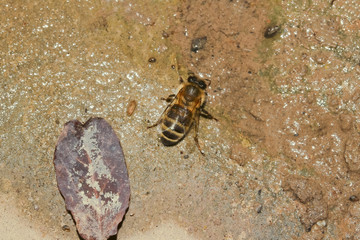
157	123
207	115
169	98
196	122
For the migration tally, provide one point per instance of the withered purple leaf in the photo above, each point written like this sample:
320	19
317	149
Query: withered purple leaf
92	177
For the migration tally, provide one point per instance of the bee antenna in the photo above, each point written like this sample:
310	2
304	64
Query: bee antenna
208	81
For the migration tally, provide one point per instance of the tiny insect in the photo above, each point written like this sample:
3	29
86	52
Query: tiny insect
184	110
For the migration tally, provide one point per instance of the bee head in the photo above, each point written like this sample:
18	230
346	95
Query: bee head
199	82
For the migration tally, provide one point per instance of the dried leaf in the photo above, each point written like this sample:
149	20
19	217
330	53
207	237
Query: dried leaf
92	177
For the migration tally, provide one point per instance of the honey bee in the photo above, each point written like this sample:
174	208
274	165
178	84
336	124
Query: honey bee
184	110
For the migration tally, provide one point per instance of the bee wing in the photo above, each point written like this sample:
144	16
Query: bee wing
165	111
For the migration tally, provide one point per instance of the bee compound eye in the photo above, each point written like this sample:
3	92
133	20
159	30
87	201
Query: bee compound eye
202	84
192	79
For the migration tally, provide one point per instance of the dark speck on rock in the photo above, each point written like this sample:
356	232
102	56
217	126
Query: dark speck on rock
259	209
271	31
198	44
354	198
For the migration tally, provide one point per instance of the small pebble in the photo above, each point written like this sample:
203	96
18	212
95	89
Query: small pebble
65	228
152	60
354	198
165	34
271	31
321	223
198	44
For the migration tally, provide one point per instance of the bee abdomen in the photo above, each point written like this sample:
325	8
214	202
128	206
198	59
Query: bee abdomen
174	125
168	141
172	132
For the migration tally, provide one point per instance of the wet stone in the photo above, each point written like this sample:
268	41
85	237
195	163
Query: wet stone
345	122
354	210
321	58
356	96
352	154
310	194
334	103
303	189
238	154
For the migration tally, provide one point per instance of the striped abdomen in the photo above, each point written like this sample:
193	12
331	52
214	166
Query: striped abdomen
175	124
